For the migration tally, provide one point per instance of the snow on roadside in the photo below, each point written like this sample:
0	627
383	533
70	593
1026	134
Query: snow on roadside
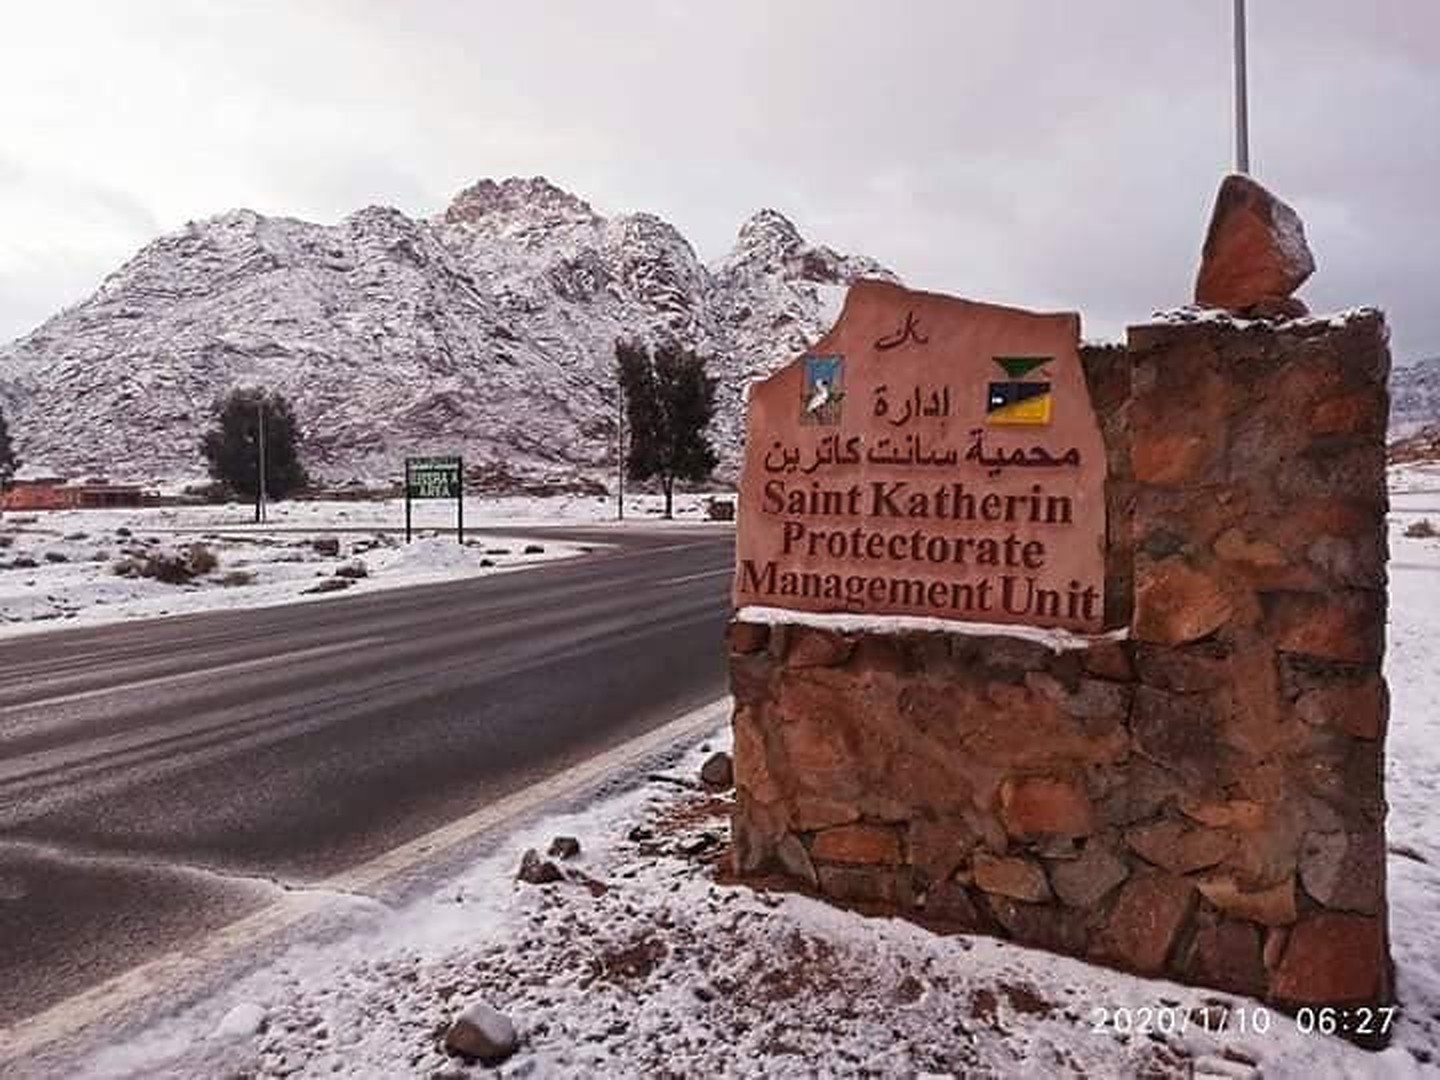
1413	479
660	967
1412	752
666	968
58	571
481	511
58	568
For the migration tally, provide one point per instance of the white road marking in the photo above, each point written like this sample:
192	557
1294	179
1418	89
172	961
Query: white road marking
697	577
272	660
66	1018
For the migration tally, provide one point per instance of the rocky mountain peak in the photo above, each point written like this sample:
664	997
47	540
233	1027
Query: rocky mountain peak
767	238
535	196
486	330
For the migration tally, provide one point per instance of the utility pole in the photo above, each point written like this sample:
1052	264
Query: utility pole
260	442
1242	102
620	455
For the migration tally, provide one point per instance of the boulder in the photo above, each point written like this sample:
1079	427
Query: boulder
718	771
325	545
537	871
1255	252
328	585
483	1033
564	847
242	1021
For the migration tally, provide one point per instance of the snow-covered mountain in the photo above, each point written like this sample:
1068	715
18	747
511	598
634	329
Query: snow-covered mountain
487	330
1415	396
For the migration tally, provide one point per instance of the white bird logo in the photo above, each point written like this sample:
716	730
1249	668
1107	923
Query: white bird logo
819	398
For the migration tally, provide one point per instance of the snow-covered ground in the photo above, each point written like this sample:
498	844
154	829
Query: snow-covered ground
507	511
84	567
656	966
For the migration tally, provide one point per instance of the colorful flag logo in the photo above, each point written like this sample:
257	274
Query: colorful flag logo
1019	400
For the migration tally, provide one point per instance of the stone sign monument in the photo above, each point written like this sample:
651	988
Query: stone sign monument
929	456
1198	791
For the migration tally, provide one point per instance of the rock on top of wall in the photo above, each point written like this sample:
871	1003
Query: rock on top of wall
1255	253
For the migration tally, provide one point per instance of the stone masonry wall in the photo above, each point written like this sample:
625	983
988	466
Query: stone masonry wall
1199	796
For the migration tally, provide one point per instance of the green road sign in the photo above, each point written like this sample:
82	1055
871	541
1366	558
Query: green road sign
432	477
436	478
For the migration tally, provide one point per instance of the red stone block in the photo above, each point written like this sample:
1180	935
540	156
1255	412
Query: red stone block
1227	955
1344	626
1034	806
857	844
1145	922
748	637
1176	603
810	647
1017	878
1173	846
1331	960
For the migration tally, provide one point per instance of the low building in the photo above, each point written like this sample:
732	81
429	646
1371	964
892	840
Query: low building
53	493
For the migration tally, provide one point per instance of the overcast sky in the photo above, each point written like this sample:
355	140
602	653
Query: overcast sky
1049	153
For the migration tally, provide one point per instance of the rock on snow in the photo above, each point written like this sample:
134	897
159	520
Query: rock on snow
482	1032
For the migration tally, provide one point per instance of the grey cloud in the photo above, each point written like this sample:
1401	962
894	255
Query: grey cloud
1042	152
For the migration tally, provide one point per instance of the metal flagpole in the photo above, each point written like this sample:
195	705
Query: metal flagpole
1242	102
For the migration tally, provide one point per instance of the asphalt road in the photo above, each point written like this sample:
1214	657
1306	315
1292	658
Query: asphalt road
158	779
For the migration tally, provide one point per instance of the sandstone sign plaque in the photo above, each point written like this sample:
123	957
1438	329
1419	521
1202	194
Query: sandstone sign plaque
929	456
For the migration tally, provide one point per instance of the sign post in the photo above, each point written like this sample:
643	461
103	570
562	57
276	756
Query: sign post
436	478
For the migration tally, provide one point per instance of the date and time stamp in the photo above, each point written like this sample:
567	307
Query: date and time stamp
1358	1022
